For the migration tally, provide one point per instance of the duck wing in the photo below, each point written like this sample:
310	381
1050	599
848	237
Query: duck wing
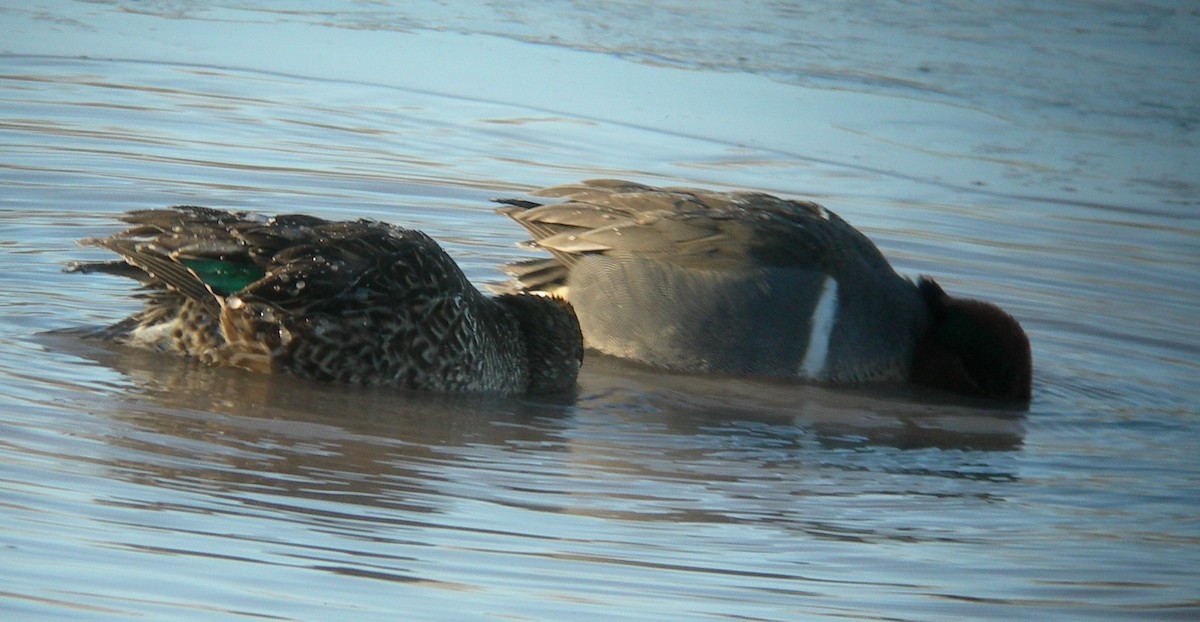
193	251
688	227
293	262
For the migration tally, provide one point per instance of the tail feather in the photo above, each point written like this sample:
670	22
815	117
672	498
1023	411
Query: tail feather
115	268
161	268
538	274
546	275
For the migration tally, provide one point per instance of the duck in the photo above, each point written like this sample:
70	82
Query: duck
750	284
362	302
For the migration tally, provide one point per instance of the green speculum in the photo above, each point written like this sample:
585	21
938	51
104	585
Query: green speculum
224	277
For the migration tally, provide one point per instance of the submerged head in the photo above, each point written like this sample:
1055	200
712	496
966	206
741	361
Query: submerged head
971	348
553	341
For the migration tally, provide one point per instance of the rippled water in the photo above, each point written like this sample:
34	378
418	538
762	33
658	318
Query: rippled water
1044	157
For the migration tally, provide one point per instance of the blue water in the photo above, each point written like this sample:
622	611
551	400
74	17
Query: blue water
1041	155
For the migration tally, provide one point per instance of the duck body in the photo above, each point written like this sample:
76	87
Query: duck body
749	284
356	301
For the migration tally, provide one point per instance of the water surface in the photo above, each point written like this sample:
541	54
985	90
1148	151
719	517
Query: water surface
1043	158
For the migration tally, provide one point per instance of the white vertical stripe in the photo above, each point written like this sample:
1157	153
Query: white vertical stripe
823	317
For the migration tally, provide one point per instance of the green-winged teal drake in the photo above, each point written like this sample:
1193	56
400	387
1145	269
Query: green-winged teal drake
358	301
748	283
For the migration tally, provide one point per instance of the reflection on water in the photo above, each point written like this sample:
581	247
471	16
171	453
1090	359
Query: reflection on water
710	419
630	447
243	474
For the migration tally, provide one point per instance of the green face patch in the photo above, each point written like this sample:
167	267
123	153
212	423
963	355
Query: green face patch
224	277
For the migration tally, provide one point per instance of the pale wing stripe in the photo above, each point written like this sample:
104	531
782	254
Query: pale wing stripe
823	318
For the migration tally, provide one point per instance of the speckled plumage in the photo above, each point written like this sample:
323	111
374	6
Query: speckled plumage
748	283
357	301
